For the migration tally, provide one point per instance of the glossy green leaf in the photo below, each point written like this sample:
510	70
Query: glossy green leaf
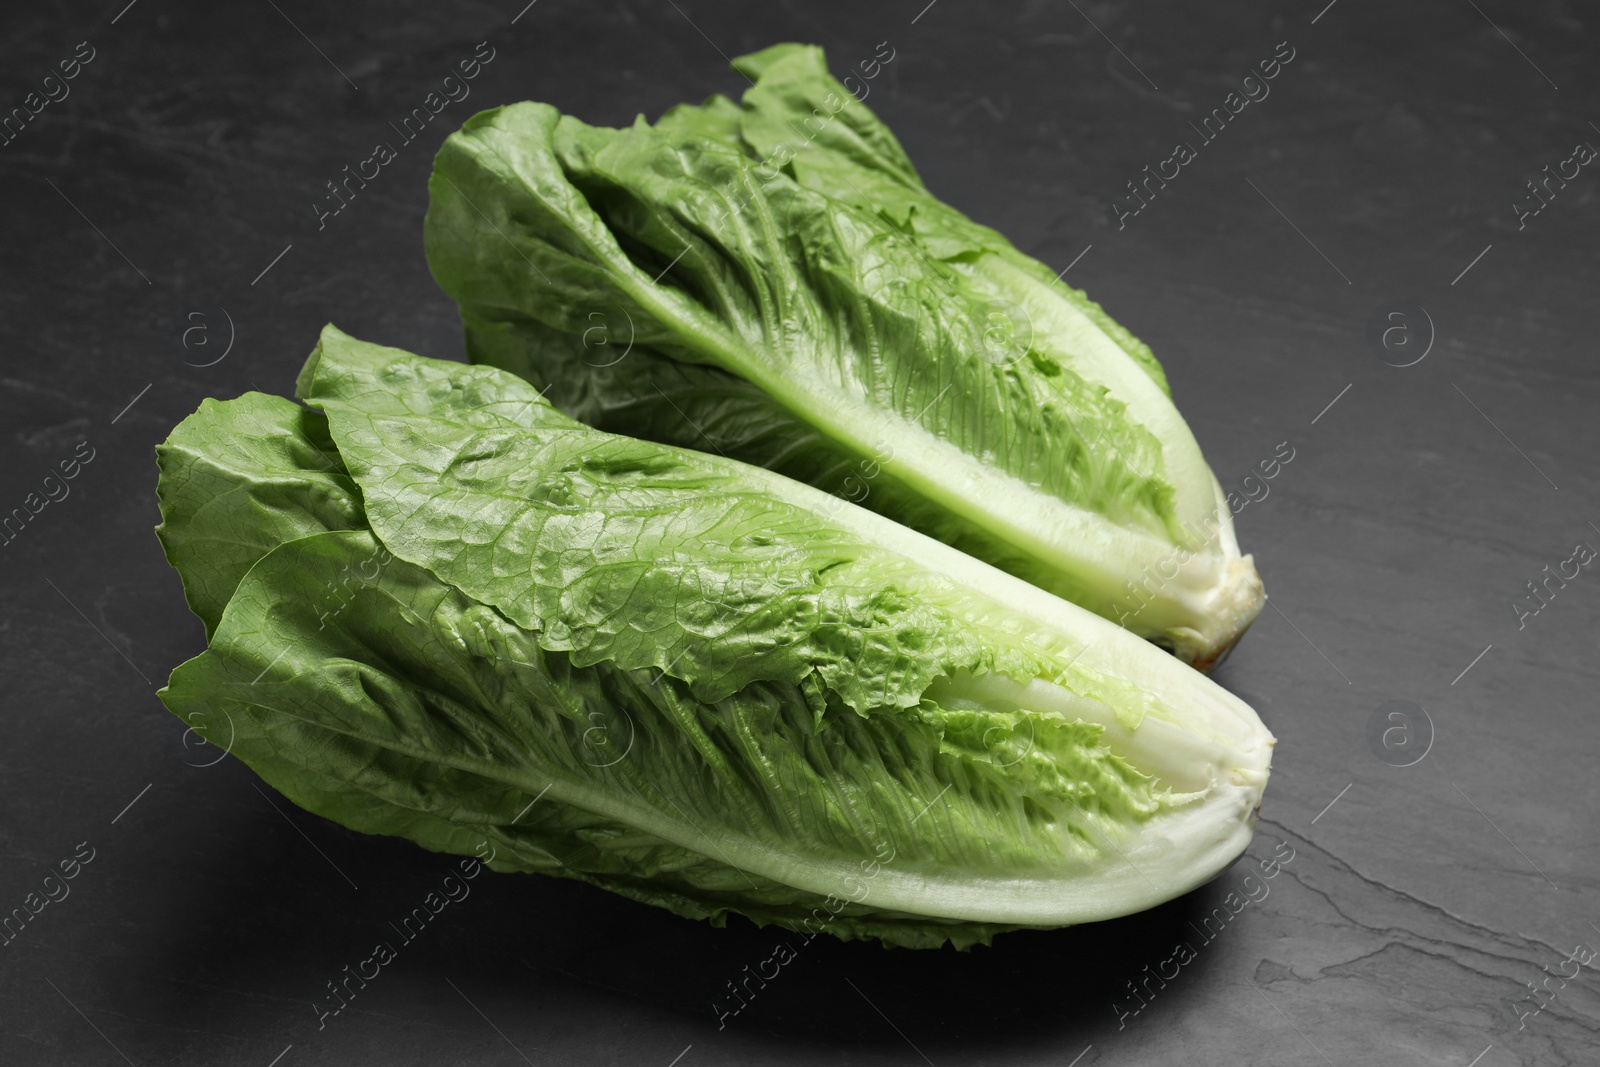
771	281
682	678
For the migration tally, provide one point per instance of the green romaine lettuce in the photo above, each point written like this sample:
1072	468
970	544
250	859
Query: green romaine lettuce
440	609
771	281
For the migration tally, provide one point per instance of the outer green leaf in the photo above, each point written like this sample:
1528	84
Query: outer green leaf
619	549
818	312
727	577
395	705
311	600
853	719
239	478
798	112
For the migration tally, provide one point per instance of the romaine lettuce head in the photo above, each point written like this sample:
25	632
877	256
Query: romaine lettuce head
440	609
771	281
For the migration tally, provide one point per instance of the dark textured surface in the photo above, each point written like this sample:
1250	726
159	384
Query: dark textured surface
1416	909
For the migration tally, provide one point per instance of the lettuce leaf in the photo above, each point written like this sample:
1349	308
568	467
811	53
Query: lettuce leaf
452	614
716	282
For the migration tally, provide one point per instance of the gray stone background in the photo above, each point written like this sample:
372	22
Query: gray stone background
160	246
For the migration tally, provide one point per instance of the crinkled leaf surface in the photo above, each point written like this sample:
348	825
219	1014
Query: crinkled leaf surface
720	691
807	305
239	478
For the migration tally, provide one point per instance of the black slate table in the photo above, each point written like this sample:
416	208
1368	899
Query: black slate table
1351	270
